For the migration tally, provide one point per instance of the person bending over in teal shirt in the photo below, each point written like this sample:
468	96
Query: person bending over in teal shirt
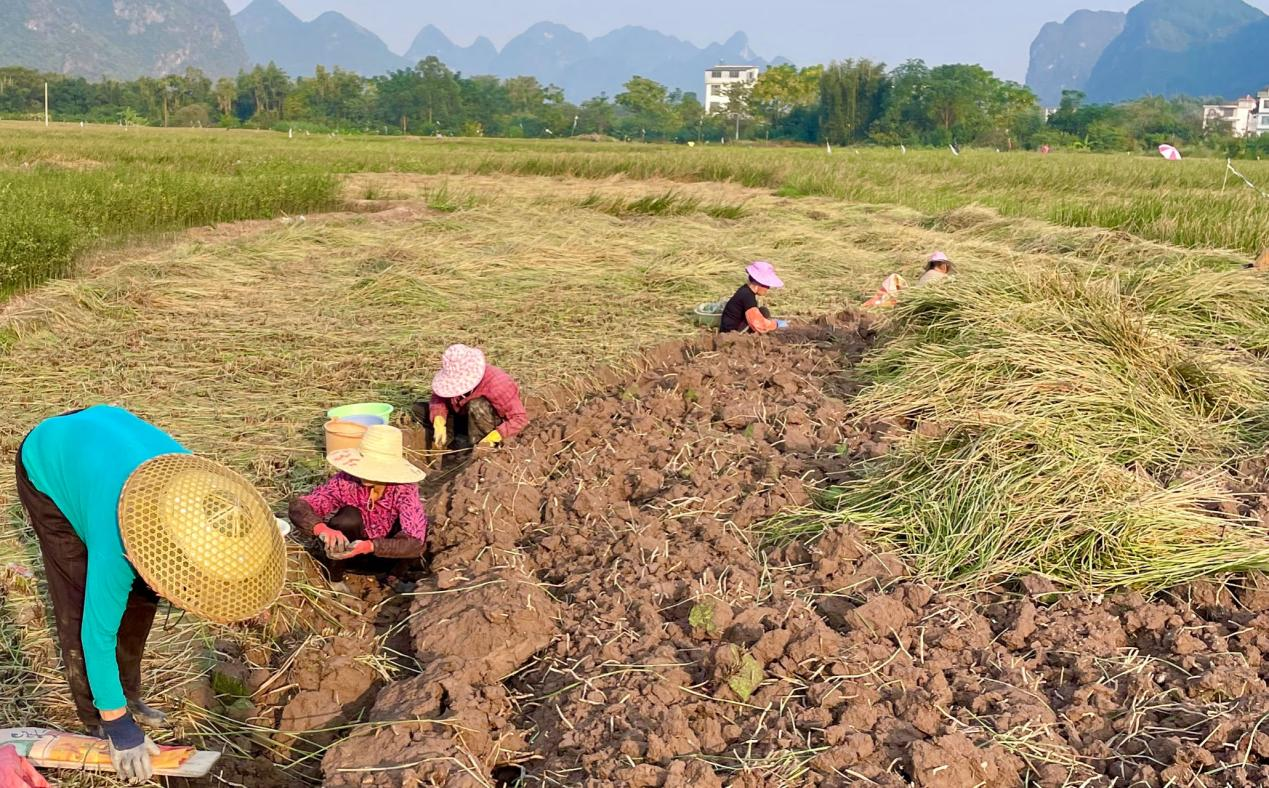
124	513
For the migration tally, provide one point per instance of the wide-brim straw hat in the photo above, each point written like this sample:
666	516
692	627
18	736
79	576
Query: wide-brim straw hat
764	274
462	369
202	537
380	458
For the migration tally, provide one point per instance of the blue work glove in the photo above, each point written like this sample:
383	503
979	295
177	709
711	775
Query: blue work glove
782	324
130	749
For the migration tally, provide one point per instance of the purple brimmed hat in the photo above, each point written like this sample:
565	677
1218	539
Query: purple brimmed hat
462	369
764	274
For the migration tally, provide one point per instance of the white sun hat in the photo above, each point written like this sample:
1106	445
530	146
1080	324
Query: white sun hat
380	458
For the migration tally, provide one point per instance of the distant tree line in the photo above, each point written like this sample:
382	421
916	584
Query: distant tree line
849	102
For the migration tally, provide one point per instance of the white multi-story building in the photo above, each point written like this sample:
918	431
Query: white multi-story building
718	82
1239	117
1248	116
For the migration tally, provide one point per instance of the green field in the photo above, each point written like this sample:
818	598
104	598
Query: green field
69	188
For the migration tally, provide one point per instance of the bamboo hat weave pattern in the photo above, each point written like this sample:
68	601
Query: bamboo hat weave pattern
202	536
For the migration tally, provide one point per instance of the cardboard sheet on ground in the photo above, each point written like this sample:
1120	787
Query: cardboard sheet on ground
52	749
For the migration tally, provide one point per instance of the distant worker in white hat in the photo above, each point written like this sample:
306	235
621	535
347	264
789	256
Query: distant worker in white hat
938	268
370	512
473	402
124	514
744	312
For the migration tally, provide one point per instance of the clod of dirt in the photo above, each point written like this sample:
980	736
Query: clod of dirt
486	629
954	761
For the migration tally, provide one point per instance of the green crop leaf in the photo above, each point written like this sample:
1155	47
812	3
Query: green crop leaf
702	617
747	678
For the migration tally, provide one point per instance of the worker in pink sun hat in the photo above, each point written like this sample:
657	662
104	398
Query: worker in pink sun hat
744	313
937	269
473	402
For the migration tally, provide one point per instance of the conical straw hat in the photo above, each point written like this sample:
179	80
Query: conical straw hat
202	536
381	458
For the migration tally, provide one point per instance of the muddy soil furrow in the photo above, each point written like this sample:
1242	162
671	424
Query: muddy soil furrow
601	612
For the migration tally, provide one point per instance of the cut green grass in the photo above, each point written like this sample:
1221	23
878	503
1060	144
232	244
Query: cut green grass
1072	423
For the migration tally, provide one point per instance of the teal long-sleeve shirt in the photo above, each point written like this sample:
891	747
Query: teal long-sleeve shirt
81	461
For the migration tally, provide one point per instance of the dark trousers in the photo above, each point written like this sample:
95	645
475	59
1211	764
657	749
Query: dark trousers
467	427
348	522
66	570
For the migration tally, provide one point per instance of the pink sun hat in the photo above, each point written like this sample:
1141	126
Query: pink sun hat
939	257
764	274
462	369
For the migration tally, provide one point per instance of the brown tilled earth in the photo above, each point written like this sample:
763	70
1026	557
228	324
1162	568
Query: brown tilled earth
602	612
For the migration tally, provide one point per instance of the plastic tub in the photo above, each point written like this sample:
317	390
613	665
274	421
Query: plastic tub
380	409
365	421
709	314
343	435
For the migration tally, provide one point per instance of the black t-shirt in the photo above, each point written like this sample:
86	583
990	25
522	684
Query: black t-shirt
734	313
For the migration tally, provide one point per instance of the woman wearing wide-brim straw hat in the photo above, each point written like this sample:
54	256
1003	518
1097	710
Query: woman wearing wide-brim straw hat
368	517
124	514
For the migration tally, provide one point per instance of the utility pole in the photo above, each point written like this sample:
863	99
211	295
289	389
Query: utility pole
46	105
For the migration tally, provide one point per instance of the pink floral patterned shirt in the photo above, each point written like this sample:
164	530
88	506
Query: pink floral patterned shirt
400	502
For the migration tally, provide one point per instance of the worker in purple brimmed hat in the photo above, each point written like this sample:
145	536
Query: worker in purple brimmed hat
743	312
473	403
937	269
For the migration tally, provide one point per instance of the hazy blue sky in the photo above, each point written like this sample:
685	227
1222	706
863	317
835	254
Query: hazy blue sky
995	33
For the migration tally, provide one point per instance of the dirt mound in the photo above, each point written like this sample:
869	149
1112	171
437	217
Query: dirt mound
601	613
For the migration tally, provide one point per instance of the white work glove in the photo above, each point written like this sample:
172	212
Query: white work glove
130	749
134	764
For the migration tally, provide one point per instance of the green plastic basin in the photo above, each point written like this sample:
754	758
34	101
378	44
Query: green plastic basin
380	409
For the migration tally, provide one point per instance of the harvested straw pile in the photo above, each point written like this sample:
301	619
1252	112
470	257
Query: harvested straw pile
1072	422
